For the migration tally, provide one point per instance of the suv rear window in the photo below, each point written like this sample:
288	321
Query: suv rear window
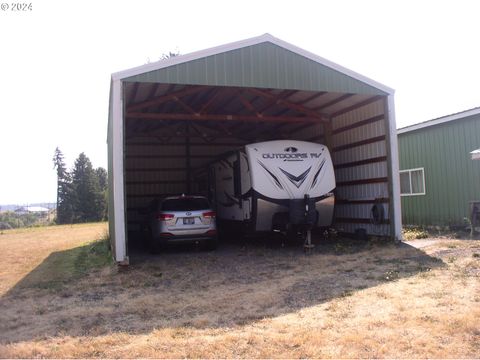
185	204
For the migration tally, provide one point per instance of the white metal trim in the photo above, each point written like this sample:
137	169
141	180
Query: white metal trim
438	121
410	178
118	186
241	44
394	163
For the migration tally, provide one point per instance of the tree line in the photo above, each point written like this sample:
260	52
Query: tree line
81	192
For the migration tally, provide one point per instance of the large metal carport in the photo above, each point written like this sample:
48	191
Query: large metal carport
168	119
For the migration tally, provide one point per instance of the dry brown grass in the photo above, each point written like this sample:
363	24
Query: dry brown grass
343	301
24	249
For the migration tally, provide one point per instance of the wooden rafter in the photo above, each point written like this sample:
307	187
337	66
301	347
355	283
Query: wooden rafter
246	103
184	105
165	98
272	101
197	100
358	105
312	97
161	137
226	100
218	93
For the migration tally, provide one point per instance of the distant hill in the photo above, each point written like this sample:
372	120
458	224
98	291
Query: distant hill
13	207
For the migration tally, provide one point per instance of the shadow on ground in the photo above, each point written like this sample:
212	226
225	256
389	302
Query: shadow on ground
237	284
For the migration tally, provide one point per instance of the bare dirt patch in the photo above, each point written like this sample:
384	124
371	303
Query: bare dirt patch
345	300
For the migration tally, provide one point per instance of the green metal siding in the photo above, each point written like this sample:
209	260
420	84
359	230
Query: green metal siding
264	65
452	178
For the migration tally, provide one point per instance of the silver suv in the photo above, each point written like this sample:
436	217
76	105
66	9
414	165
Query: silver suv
181	219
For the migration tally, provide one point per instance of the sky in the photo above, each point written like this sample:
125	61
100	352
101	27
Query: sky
57	58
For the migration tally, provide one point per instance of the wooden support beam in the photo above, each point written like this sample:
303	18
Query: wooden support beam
359	143
165	98
246	103
359	123
185	106
153	144
313	97
362	181
217	117
358	105
218	93
283	95
361	162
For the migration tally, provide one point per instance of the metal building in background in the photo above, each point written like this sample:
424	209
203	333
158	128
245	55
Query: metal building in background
438	178
168	119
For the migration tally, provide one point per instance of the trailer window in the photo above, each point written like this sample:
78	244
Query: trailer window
412	182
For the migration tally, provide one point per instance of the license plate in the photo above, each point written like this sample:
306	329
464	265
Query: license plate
188	221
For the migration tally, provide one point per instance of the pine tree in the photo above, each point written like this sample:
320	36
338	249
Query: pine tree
64	189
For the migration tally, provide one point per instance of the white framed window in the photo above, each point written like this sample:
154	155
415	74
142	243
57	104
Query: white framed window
412	182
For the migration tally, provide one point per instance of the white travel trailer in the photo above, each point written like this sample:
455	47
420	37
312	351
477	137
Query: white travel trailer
277	185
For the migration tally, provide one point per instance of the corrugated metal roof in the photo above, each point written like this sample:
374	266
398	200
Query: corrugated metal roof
440	120
264	62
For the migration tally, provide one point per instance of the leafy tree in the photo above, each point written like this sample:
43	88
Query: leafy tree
102	177
88	199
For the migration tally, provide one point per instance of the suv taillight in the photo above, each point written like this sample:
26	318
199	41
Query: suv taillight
165	217
209	214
